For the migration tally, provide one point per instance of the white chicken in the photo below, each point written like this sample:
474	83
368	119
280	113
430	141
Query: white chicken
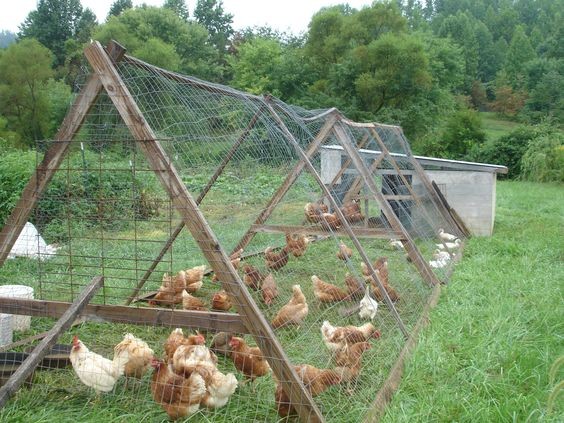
368	305
338	337
397	244
449	245
219	388
138	354
438	264
94	370
445	236
441	255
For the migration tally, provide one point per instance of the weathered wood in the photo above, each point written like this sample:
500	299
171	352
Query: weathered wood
411	249
457	219
290	179
360	232
226	159
209	320
41	350
356	185
346	227
390	386
183	202
52	158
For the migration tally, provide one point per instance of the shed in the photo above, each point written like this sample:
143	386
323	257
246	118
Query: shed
468	187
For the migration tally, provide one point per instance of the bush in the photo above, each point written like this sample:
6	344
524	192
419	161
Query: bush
544	159
16	167
462	132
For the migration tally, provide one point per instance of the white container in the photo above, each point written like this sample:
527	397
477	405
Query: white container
19	322
6	331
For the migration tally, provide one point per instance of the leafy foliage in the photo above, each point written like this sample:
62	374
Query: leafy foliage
543	161
463	131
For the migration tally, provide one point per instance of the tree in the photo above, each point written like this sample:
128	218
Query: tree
519	53
462	132
118	6
52	24
25	68
211	15
178	7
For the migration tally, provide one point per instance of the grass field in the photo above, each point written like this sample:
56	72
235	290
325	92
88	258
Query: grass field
499	324
495	126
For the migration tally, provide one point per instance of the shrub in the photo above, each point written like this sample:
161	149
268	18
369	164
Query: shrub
463	130
544	159
16	167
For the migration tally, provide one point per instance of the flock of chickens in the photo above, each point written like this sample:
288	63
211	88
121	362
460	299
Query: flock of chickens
188	378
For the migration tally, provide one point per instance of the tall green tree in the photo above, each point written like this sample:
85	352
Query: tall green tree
118	6
25	68
520	52
219	24
53	23
179	7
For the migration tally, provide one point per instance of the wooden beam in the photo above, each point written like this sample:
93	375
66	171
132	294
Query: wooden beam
457	219
356	185
420	263
360	232
41	350
209	320
347	228
251	315
288	182
52	158
203	193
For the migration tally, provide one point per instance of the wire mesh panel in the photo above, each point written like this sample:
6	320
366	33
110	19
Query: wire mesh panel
227	182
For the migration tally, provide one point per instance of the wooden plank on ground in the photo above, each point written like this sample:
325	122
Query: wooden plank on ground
42	349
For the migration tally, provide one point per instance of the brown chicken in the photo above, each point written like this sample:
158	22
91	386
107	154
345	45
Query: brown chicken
297	244
353	288
194	278
315	380
294	312
351	211
338	337
381	267
138	354
178	396
189	302
313	211
248	360
221	301
330	221
177	338
326	292
220	343
276	261
269	289
235	259
165	297
349	360
252	278
344	252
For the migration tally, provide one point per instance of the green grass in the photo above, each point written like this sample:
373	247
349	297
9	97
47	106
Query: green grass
496	126
499	324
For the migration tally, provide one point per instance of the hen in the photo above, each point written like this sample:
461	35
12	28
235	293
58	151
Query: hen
354	289
313	211
349	360
177	395
344	252
166	297
381	267
220	343
297	244
294	312
336	337
94	370
221	301
368	306
194	278
235	259
189	302
269	289
351	211
252	278
276	261
138	355
315	380
248	360
177	338
330	221
326	292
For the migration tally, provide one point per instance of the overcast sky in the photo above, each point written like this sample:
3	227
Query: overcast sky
284	15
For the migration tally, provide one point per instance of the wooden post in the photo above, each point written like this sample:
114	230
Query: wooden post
204	192
53	158
339	213
195	222
39	352
358	180
290	179
412	250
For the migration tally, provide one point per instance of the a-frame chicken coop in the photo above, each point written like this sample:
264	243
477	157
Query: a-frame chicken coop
153	172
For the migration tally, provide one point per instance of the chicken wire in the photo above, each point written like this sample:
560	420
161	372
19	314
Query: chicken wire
108	214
